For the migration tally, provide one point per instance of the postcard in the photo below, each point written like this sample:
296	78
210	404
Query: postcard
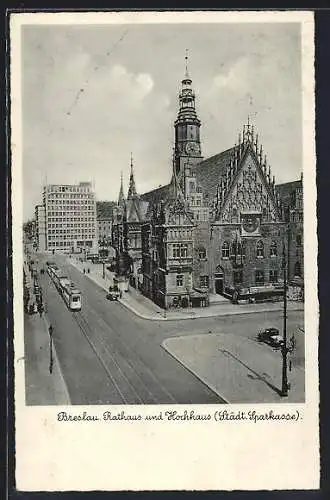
164	250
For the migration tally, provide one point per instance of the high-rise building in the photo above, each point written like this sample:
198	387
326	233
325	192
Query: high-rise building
70	216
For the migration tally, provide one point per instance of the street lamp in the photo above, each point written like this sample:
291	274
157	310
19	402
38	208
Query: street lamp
284	349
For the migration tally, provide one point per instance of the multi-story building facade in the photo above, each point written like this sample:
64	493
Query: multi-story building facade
129	215
104	217
40	228
70	214
291	194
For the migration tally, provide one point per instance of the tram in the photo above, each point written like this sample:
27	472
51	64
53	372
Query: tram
71	296
70	293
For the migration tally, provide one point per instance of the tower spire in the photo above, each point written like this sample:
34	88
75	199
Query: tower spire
186	59
121	197
132	188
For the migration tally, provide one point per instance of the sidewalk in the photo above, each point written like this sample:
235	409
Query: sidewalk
146	309
238	369
41	386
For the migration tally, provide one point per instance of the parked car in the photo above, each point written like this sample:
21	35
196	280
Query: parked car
271	336
114	293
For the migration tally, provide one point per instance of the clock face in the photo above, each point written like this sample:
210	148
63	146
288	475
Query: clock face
192	148
250	224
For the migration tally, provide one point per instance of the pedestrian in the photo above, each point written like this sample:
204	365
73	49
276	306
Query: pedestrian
88	270
84	271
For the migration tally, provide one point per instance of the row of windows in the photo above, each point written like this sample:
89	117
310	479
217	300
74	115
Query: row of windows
260	277
69	243
238	278
71	219
180	250
62	231
68	199
201	215
68	210
296	216
197	202
67	189
184	234
238	249
70	225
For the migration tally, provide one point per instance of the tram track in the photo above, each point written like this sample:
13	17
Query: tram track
114	372
124	368
143	378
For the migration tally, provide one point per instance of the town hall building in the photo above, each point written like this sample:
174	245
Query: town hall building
220	227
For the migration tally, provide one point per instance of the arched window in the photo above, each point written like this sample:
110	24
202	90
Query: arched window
201	253
297	269
225	250
260	249
273	249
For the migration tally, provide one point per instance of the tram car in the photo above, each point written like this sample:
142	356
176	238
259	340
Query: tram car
70	293
51	269
71	296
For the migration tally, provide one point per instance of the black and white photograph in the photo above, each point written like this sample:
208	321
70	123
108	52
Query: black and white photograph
163	202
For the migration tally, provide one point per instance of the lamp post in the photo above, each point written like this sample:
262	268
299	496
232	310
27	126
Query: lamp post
51	361
103	269
284	349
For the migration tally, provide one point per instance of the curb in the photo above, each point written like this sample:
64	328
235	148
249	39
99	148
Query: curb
217	315
161	318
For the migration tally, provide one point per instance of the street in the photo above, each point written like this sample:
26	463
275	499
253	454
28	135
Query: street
108	355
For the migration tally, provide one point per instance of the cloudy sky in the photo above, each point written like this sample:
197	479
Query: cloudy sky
92	94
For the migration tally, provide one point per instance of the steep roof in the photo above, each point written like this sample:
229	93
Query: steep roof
136	209
155	196
209	171
104	209
286	189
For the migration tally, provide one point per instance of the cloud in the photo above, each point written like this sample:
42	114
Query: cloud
236	78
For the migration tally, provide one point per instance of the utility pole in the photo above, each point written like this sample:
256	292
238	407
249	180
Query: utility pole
285	385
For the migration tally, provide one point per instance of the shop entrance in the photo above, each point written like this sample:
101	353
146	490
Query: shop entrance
219	280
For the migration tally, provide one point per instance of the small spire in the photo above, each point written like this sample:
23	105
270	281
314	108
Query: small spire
132	189
121	198
256	143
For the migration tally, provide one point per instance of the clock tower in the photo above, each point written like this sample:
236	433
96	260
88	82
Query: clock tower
187	150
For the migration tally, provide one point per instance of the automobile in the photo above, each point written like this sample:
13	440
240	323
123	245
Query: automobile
114	293
271	336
